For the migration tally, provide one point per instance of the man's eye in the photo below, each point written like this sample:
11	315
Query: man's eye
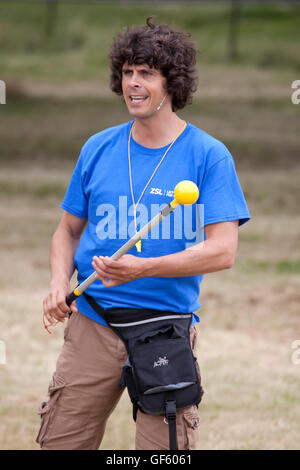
126	72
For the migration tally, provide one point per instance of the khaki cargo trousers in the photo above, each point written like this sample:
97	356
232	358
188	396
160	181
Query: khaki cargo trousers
84	391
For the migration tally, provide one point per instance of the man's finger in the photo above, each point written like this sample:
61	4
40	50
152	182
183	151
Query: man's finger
50	319
104	274
63	307
47	314
107	264
61	303
112	283
73	307
99	262
54	309
112	263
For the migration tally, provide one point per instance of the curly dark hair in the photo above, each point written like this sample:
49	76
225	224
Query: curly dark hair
158	46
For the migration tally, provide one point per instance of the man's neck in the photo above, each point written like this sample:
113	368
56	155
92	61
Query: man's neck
157	131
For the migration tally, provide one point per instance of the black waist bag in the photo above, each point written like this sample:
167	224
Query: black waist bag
160	372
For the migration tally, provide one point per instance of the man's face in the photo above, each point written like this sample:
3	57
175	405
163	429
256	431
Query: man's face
143	89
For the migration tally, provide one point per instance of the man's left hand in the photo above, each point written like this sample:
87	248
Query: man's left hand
115	272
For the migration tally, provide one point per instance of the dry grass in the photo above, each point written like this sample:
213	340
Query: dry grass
249	319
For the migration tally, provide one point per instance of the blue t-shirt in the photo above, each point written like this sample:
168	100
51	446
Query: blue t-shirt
99	190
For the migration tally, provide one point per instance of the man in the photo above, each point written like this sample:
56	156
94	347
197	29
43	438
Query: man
136	164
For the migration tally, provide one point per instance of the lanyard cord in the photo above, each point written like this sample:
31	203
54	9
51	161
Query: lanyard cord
130	176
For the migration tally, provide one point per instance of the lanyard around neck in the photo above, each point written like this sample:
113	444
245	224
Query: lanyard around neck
135	204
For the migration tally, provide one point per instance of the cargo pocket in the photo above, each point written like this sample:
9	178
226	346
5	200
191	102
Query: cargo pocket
191	423
47	409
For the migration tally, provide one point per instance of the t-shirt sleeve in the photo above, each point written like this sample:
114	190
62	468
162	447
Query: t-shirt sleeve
75	200
221	193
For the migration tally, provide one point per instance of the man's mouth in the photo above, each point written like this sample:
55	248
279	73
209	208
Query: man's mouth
137	98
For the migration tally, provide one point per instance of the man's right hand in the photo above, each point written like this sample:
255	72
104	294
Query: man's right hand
55	307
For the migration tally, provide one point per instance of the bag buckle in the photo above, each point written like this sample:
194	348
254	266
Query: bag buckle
171	410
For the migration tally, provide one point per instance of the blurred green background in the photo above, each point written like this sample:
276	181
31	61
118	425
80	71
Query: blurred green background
53	60
48	54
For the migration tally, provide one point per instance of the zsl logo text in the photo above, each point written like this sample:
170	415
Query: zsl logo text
161	192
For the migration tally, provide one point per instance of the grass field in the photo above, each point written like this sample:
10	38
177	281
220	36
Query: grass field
77	48
57	97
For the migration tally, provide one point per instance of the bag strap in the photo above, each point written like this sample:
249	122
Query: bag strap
171	417
94	305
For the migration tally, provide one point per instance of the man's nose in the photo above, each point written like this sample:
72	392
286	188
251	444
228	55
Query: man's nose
135	80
